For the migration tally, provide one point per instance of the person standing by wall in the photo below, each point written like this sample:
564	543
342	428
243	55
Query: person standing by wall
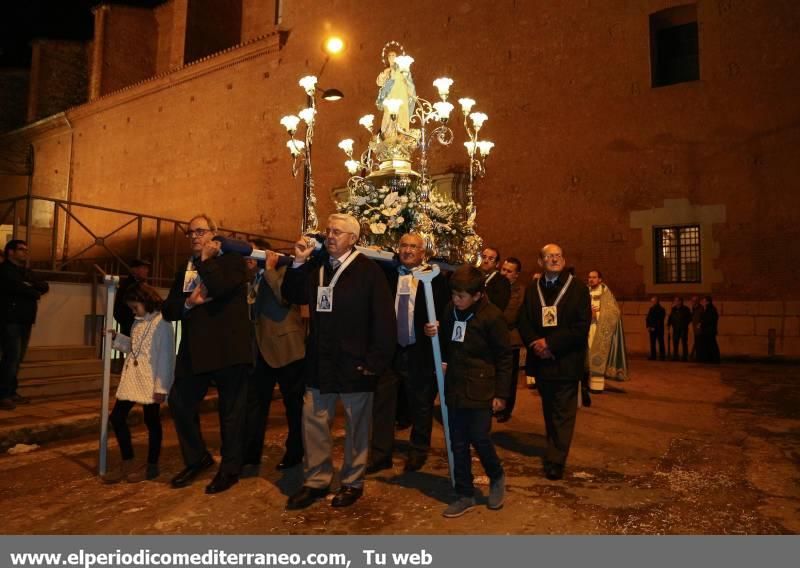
20	291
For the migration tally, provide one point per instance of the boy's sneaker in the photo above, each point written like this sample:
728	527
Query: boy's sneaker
459	507
497	493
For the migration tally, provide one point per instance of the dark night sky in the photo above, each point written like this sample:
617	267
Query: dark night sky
24	20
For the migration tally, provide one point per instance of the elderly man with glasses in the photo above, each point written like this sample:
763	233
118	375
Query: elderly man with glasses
209	298
352	340
554	325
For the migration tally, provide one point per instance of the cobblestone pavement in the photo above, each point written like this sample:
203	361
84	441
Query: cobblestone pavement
681	448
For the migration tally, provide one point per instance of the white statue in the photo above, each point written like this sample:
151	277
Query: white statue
395	84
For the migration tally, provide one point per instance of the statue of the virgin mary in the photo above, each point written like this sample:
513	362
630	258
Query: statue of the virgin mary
395	84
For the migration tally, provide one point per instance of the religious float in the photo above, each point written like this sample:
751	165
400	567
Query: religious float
391	191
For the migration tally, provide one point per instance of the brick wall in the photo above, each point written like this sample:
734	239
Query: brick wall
131	46
59	77
582	140
258	18
211	26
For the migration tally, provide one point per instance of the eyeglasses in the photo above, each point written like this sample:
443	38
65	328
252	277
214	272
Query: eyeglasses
337	233
196	233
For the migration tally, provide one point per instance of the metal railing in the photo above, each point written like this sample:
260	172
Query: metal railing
166	243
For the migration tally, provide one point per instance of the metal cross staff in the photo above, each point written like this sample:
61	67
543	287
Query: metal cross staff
111	283
426	276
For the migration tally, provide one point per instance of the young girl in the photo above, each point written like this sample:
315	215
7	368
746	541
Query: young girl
146	378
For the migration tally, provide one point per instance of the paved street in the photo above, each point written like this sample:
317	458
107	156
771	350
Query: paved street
681	448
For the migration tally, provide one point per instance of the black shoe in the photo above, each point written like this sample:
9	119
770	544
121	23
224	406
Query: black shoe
19	399
415	462
346	496
7	404
586	397
380	465
503	417
288	462
222	482
186	476
554	471
403	424
305	497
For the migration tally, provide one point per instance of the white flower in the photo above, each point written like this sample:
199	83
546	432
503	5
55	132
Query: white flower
384	189
404	199
361	200
377	228
400	220
391	199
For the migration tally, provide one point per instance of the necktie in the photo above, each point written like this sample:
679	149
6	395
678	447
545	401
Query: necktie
403	329
403	270
335	263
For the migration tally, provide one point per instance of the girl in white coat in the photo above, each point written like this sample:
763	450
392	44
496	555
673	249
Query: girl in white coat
146	377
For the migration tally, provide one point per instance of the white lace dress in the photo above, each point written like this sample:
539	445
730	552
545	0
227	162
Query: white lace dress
150	363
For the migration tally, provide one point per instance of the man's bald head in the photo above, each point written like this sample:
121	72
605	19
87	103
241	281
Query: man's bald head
551	258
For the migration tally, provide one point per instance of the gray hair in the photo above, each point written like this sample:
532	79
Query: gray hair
351	222
211	224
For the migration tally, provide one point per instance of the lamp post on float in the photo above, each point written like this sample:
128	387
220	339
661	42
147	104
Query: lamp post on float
301	149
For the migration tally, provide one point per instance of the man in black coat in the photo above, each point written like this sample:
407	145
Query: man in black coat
707	346
498	289
209	298
679	319
554	325
412	366
655	327
20	290
353	334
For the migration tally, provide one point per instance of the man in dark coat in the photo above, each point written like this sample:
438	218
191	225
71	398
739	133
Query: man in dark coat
554	325
209	298
655	327
498	289
707	346
679	319
352	340
412	366
20	290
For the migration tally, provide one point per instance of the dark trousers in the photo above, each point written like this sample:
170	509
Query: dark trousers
409	374
657	336
152	419
560	406
184	400
472	427
708	349
680	337
260	385
512	399
14	338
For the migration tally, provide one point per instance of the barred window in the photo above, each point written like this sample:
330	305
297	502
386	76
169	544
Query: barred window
677	254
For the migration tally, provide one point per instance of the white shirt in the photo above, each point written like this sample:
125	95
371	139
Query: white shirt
412	298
